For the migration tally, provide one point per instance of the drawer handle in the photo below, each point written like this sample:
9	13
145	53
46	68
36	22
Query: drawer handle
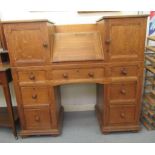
124	71
90	74
34	96
45	45
123	91
108	41
65	75
122	115
32	77
37	118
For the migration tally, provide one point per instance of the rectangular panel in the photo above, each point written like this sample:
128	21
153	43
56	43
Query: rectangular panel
124	71
79	46
122	114
71	74
123	91
31	76
27	42
35	96
126	39
37	119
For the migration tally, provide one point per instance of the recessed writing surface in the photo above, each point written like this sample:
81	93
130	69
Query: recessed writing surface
79	46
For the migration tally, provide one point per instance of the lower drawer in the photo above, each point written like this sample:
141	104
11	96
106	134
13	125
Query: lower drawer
37	118
122	114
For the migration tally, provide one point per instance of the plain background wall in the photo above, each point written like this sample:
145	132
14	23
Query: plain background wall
75	97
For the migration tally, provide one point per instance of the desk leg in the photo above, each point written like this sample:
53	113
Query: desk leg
9	107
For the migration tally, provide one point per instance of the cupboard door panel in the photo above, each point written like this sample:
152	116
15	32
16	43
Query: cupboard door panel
27	42
126	39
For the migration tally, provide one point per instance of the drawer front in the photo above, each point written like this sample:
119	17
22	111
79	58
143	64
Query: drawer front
123	91
122	114
94	73
123	71
38	118
31	76
35	95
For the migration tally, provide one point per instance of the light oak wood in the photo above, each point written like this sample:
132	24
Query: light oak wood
32	75
78	46
35	96
45	56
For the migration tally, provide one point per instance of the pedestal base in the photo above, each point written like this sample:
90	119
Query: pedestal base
116	128
52	132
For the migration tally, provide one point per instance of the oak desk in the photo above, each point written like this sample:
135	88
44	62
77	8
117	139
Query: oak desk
44	56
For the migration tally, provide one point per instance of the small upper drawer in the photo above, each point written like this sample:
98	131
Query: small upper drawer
31	76
123	71
35	95
69	74
122	114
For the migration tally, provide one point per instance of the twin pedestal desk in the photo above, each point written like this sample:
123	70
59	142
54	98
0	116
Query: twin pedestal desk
45	56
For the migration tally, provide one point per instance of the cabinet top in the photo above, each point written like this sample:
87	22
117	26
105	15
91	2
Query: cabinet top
27	21
122	16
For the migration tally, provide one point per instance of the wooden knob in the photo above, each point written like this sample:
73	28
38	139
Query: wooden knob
65	75
45	45
108	41
32	77
124	71
34	96
90	74
37	118
122	115
123	91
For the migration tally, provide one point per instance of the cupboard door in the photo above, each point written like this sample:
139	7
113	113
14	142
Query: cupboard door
126	38
27	42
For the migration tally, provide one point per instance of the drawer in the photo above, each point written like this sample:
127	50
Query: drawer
122	114
122	71
31	76
38	118
93	73
123	91
35	95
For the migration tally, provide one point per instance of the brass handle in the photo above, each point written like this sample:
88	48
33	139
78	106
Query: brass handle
45	45
90	74
108	41
65	75
37	118
123	91
122	115
124	71
32	77
34	96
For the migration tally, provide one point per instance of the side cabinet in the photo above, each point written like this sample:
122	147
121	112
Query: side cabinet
124	38
28	43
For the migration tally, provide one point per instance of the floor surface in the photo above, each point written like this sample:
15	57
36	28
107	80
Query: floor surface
81	127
